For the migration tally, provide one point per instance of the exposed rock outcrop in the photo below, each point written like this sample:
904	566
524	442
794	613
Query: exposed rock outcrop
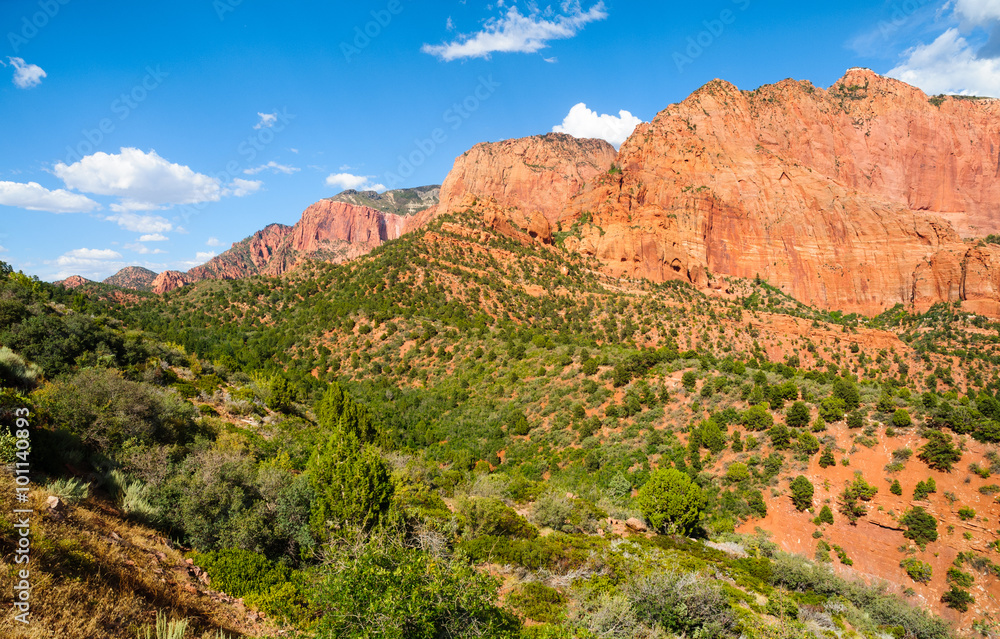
135	278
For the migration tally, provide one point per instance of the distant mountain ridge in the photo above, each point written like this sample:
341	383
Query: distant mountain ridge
335	229
136	278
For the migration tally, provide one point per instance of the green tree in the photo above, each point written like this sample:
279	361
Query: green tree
921	526
757	418
807	443
712	437
924	488
846	391
831	409
802	493
689	380
780	437
939	453
671	502
825	515
352	483
896	488
901	419
797	415
337	409
826	459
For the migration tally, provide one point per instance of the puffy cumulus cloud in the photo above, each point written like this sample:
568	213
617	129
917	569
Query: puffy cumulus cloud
154	237
143	181
142	249
26	75
199	258
272	166
581	122
242	188
266	121
978	11
94	264
950	64
347	182
518	33
34	197
213	241
141	223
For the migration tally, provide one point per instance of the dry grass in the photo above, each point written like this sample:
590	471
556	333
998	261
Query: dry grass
96	575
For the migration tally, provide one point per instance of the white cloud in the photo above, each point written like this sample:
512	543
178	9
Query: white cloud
142	249
267	120
94	264
204	256
200	258
35	197
141	223
213	241
949	65
517	33
347	182
978	11
143	181
241	188
272	166
581	122
26	76
154	237
2	249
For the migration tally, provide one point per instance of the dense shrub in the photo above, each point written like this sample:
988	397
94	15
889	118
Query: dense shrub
105	410
921	526
671	502
918	571
939	453
352	484
378	587
538	602
802	493
492	517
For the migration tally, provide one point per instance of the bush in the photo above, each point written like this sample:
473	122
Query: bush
917	570
802	493
352	483
965	513
832	409
797	415
492	517
538	602
896	488
105	410
71	491
939	453
961	579
957	599
924	488
901	419
846	391
757	418
378	587
689	381
921	526
671	502
825	515
685	604
826	459
737	472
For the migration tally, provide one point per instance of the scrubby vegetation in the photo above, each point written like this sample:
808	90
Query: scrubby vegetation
452	438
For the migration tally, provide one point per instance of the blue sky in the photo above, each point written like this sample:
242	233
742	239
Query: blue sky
157	134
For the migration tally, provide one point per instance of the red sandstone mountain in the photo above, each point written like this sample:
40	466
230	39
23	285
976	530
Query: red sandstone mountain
854	198
135	278
73	281
334	230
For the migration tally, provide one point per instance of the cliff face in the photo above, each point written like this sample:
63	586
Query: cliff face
847	199
536	175
333	230
854	198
